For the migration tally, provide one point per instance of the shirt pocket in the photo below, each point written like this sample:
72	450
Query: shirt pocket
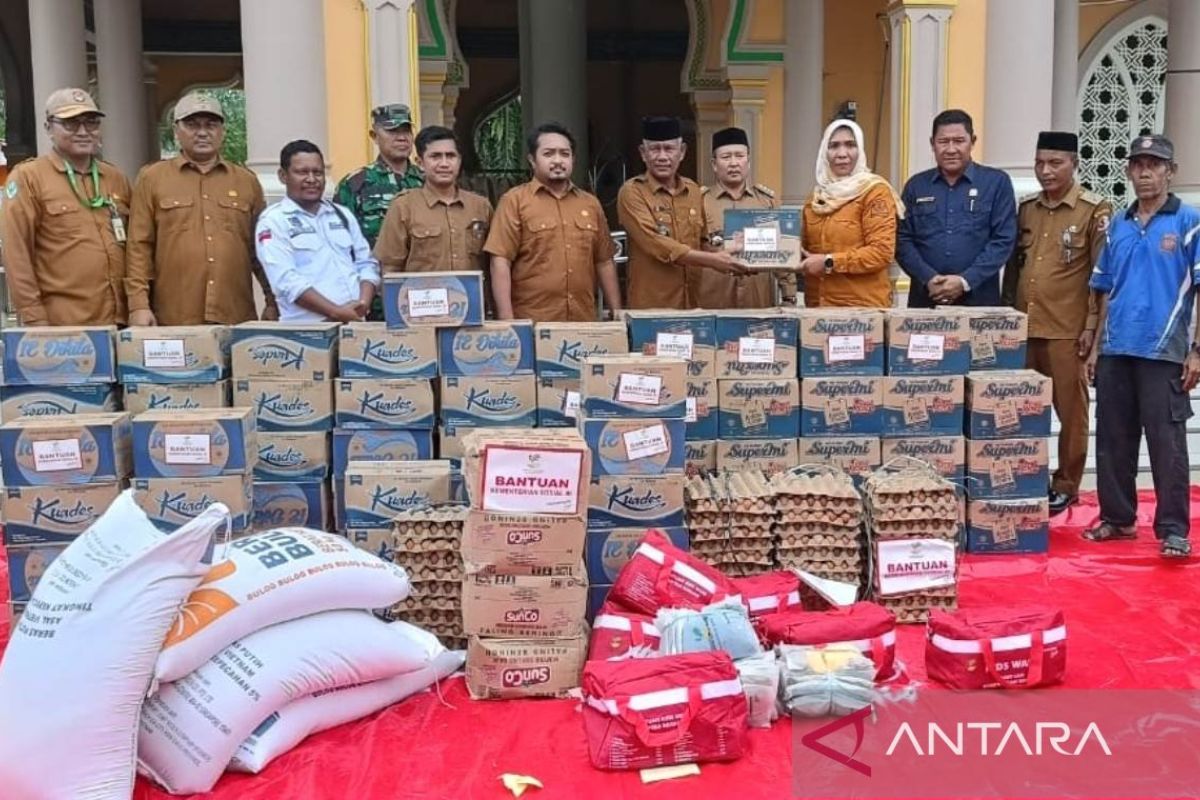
477	231
174	215
586	234
235	216
925	217
65	218
305	248
425	245
543	227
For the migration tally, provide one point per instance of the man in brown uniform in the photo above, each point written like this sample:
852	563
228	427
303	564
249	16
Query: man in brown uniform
731	167
549	241
63	224
1061	234
663	213
439	226
191	231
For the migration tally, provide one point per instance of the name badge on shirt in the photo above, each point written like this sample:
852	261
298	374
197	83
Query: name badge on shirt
118	225
926	199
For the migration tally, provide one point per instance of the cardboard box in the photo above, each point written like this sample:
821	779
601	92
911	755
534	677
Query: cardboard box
377	541
50	401
768	455
509	400
999	338
757	345
450	443
562	346
928	341
198	443
634	386
140	397
442	299
173	354
291	505
292	457
699	457
527	471
500	347
1008	526
85	448
857	455
841	341
37	515
690	335
508	669
284	350
384	402
923	405
380	445
700	412
282	406
57	356
841	406
946	454
758	409
764	238
26	566
608	551
375	491
558	402
523	544
372	350
635	501
1008	468
524	606
634	446
173	502
1008	404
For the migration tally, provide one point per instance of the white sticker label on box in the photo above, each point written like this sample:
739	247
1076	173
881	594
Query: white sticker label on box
571	404
760	240
646	442
913	565
676	345
164	353
187	448
753	350
428	302
926	347
528	480
56	455
690	414
847	348
640	389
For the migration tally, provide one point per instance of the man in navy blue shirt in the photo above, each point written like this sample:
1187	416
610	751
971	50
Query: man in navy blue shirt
1146	360
961	224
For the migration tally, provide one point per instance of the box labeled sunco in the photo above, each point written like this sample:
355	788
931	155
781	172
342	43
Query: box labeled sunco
200	443
532	606
634	386
173	354
284	350
281	406
442	299
923	405
501	347
758	409
384	402
505	669
523	544
85	448
57	356
845	341
372	350
841	406
1008	403
562	346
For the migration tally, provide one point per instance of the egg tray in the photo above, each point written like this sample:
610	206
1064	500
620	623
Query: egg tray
413	603
759	527
791	540
432	573
822	517
733	534
851	576
826	483
914	609
436	588
432	619
917	529
409	543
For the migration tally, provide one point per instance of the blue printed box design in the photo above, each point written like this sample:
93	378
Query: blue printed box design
371	494
680	334
841	406
701	409
49	401
292	457
200	443
634	386
841	342
88	448
26	566
558	402
1008	468
444	299
737	359
482	401
173	502
1008	526
758	409
635	446
36	515
923	405
282	351
999	338
597	594
647	501
562	346
928	342
607	551
173	354
58	356
384	402
287	405
493	348
380	445
290	505
371	350
1007	404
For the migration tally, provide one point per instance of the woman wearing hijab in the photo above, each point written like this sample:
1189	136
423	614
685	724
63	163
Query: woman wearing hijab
850	220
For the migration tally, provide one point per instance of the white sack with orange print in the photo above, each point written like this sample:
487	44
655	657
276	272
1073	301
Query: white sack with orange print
273	577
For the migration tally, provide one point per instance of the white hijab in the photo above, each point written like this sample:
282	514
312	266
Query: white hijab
832	192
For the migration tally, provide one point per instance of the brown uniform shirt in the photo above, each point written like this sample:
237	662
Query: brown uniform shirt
555	246
711	289
63	262
1047	276
663	225
191	243
423	233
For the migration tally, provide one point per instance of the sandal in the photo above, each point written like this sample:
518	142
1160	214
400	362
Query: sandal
1107	532
1175	547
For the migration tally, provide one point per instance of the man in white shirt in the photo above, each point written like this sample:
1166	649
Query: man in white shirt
315	256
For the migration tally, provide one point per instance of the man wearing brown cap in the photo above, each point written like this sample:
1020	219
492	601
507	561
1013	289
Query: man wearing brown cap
1060	234
64	224
191	232
663	214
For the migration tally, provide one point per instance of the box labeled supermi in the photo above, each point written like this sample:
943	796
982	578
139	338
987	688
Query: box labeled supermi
1008	468
281	406
841	406
928	341
294	457
999	338
622	386
141	397
173	354
758	409
699	457
384	402
84	448
284	350
562	346
923	405
634	446
859	456
768	455
1008	526
841	341
946	454
509	400
441	299
1006	404
38	515
199	443
700	413
57	356
757	345
50	401
631	501
690	335
498	347
173	502
372	350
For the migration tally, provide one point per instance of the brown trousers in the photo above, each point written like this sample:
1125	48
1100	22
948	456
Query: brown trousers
1058	360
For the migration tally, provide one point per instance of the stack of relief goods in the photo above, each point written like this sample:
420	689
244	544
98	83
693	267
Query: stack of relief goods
174	368
51	371
730	518
818	527
560	350
427	543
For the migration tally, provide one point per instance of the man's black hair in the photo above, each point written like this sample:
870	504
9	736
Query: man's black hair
435	133
954	116
548	127
292	148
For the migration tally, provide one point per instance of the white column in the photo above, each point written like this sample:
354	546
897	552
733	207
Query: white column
150	103
56	39
392	57
120	74
1183	95
1064	90
554	68
748	99
712	114
434	91
918	81
283	61
803	101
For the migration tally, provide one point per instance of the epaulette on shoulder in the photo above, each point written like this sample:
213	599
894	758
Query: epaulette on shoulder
355	180
703	190
758	187
1028	197
1088	196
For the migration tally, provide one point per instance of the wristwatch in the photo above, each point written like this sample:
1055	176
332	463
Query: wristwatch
828	264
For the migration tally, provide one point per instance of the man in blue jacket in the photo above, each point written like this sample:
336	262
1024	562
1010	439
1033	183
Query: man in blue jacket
961	224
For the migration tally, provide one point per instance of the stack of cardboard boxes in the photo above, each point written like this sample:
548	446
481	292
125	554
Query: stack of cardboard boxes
560	348
174	368
52	371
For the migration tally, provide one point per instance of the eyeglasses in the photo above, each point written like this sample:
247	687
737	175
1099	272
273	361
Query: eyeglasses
90	124
192	124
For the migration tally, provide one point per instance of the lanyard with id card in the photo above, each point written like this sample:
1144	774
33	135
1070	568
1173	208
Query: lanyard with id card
98	200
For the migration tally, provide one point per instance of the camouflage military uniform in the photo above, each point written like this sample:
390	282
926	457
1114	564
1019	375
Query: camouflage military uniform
369	191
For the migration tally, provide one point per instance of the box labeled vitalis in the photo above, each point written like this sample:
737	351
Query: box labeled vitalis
756	345
173	502
173	354
50	401
841	341
634	446
499	347
1005	468
83	448
562	346
297	457
57	356
384	402
281	406
623	386
923	405
928	341
841	406
372	350
441	299
758	409
690	335
999	338
1008	526
1005	404
481	400
37	515
141	397
284	350
200	443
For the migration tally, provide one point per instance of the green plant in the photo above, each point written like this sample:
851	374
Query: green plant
233	101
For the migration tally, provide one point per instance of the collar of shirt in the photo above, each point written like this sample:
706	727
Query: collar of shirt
1170	207
655	186
60	163
1068	200
385	168
289	206
538	186
968	174
180	161
746	190
432	199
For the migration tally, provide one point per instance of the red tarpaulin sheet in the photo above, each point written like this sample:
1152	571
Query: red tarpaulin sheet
1133	620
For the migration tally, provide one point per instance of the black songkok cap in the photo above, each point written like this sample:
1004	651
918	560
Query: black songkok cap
729	136
660	129
1058	140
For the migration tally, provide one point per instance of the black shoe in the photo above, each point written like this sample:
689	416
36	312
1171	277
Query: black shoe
1060	502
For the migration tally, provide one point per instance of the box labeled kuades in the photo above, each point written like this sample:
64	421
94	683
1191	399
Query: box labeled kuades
499	347
284	350
841	406
634	446
558	402
999	338
928	341
50	401
292	457
690	335
923	405
291	505
37	515
173	354
758	409
57	356
525	470
632	501
375	491
281	406
199	443
441	299
857	455
622	386
609	550
1009	526
173	502
384	402
373	350
753	345
946	454
524	606
523	544
378	541
845	341
506	669
700	413
84	448
1008	403
141	397
509	400
768	455
1004	468
562	346
27	565
384	444
450	443
699	456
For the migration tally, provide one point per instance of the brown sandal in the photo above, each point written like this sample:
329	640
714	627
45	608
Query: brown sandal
1107	532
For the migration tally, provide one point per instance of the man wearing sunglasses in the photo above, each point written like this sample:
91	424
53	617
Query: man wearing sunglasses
64	224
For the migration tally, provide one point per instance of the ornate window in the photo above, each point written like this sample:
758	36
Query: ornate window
1121	97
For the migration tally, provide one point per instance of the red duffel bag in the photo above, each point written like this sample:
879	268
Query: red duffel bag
1014	647
656	712
617	633
866	626
660	575
768	593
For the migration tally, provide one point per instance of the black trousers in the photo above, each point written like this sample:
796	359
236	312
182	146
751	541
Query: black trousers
1136	395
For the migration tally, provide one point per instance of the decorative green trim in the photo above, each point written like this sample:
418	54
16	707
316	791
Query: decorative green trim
696	77
438	48
733	41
